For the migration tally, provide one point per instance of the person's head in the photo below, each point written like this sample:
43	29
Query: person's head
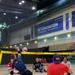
65	59
56	59
11	60
13	57
37	59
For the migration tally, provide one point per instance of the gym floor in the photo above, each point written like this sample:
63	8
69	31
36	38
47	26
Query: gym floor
4	70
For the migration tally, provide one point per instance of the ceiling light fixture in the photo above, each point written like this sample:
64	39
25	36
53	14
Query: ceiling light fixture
27	43
20	3
10	46
35	42
55	38
15	45
23	1
4	13
16	17
33	8
20	44
68	35
6	47
45	40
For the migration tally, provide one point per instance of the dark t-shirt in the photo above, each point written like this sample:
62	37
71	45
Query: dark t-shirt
19	65
37	64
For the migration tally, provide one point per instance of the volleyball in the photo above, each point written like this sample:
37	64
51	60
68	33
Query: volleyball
24	49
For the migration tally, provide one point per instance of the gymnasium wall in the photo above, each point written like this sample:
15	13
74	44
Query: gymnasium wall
18	36
62	35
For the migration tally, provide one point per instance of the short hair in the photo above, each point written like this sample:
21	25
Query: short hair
12	56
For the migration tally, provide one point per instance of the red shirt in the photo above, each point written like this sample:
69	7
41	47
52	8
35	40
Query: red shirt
57	69
10	64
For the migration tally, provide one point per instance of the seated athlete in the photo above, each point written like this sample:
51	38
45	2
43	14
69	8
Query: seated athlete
38	66
19	64
10	68
68	63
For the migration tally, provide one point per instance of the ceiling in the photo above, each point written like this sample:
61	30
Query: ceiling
44	3
11	13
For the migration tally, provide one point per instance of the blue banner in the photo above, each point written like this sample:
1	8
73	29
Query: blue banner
67	21
52	25
73	18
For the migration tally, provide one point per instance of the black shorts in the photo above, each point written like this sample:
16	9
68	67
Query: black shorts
27	72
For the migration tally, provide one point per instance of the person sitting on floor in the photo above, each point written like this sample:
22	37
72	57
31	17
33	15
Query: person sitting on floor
38	66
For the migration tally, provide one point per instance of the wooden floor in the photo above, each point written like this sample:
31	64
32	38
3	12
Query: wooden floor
4	70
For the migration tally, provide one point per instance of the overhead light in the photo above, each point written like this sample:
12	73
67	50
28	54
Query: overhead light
69	35
35	42
55	38
23	1
33	8
16	17
20	3
4	13
6	47
27	43
15	45
10	46
20	44
45	40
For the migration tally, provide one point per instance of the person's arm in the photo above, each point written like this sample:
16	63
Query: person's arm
19	56
19	53
70	71
67	69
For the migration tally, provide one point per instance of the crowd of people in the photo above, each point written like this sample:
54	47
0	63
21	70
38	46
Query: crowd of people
57	67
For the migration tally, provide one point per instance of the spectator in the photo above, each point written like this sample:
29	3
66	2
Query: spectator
57	68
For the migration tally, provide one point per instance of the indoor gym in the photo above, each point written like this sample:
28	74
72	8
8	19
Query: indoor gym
44	27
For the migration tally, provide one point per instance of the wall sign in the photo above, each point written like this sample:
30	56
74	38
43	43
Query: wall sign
73	19
49	26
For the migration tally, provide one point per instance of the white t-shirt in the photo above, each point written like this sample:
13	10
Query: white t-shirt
68	64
